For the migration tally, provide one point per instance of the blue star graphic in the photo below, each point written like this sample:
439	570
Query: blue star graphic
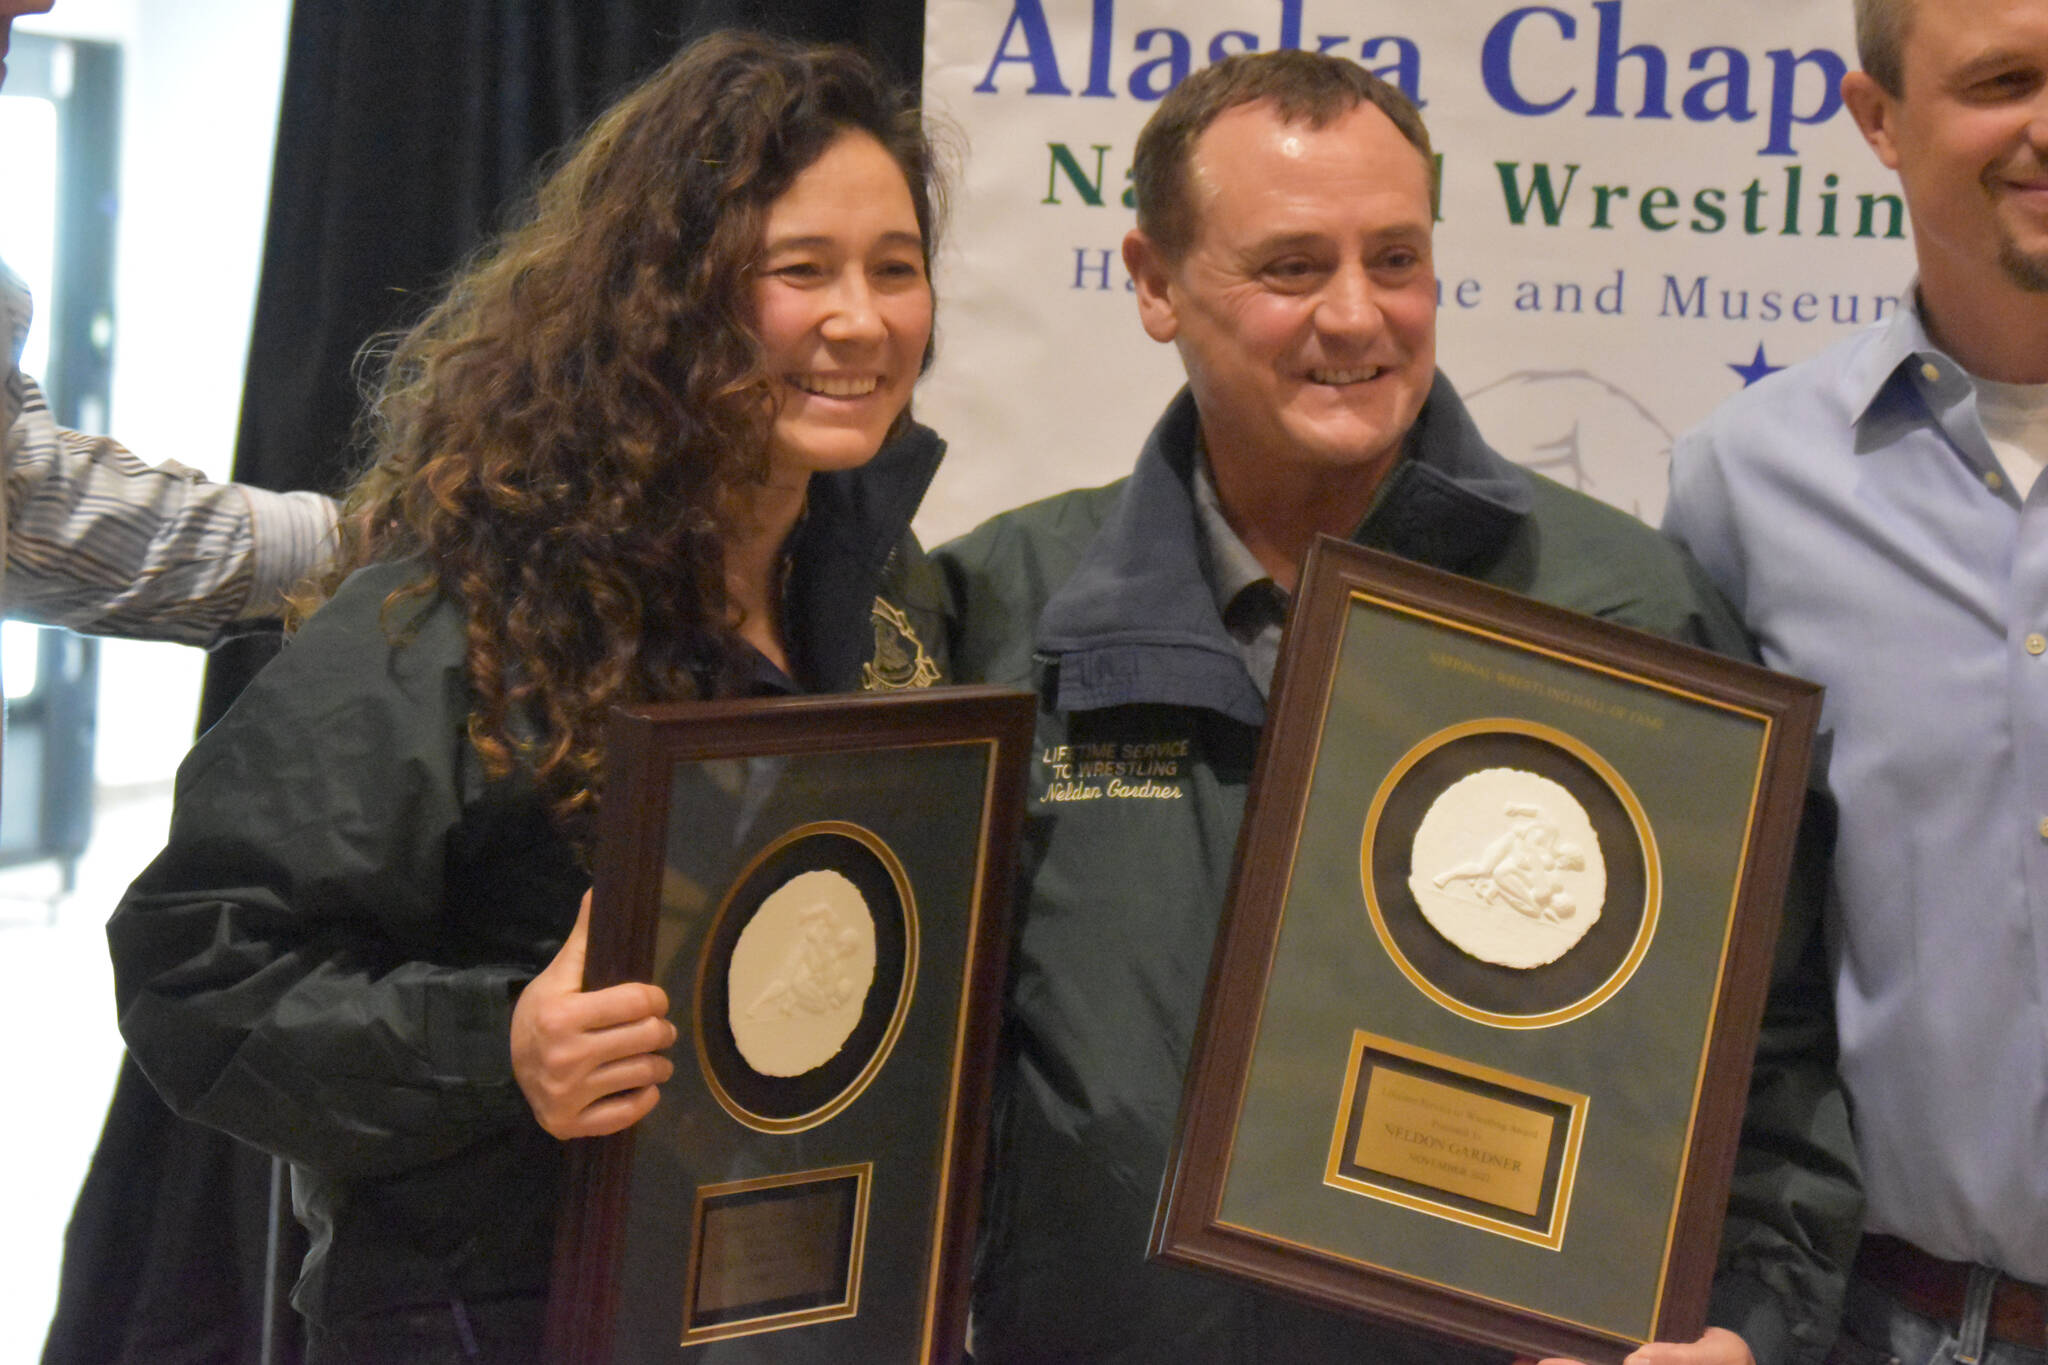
1757	368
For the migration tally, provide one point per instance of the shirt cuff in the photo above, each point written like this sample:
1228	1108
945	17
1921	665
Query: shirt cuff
293	536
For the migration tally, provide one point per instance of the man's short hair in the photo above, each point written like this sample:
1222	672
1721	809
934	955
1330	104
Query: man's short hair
1881	41
1302	87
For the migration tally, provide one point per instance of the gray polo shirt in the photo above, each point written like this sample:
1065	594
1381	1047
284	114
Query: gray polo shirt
1253	606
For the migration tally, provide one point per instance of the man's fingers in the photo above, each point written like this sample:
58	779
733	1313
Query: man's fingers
1718	1346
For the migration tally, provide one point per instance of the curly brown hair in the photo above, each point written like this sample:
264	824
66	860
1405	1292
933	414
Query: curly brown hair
566	439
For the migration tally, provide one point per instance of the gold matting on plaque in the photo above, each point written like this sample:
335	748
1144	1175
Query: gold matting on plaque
781	1251
856	1066
1461	1141
1640	862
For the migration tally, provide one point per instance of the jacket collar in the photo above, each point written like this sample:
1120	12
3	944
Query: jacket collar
854	520
1137	622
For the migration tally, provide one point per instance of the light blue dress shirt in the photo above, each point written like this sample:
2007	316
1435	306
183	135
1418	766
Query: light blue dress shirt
1852	510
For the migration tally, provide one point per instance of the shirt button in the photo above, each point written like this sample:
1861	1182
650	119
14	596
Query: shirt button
2044	828
1993	479
2037	644
1930	372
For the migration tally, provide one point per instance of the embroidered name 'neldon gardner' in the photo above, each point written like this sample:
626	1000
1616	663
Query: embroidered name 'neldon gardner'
1154	770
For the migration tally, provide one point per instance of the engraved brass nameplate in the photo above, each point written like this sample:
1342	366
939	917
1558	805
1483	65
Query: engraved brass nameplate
777	1252
1465	1142
1448	1137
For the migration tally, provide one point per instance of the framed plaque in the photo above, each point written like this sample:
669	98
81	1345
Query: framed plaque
821	886
1479	1027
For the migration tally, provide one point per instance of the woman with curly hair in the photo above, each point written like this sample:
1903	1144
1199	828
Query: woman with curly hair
651	445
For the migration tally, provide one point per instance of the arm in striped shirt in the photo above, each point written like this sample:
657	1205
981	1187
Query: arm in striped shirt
100	542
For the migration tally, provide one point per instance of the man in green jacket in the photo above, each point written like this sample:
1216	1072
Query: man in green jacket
1285	207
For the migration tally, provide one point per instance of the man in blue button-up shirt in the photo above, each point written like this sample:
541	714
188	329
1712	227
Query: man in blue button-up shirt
1874	516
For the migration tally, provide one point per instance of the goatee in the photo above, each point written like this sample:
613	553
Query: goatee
2029	272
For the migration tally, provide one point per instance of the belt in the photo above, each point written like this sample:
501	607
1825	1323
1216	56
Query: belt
1935	1289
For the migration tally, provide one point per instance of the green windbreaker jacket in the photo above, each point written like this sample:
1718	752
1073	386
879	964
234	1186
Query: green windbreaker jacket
1096	600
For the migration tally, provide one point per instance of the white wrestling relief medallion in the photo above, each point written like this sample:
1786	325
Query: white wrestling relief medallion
1507	867
800	974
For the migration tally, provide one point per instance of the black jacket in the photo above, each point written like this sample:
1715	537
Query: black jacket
324	959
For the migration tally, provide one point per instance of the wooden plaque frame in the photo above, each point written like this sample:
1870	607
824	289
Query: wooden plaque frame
1618	1097
708	807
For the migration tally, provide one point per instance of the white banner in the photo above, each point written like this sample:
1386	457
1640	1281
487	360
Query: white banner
1646	203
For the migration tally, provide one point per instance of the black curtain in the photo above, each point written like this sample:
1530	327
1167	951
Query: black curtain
407	129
